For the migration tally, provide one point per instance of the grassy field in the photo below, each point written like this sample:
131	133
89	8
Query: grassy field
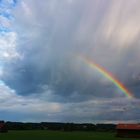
56	135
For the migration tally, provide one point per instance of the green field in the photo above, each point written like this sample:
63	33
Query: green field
56	135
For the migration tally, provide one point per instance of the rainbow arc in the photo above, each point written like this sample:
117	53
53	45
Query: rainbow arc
109	76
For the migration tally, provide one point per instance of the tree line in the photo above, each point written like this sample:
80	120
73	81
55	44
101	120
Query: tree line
60	126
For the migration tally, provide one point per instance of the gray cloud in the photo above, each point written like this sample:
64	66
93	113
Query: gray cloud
50	37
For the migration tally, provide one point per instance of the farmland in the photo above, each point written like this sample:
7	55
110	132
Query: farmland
56	135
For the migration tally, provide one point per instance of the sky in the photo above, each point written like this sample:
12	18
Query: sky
42	75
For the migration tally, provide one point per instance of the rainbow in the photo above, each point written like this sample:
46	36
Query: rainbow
109	76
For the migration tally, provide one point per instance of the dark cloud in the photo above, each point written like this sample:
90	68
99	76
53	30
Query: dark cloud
51	36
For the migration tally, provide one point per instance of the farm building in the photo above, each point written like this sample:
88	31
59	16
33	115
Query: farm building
3	127
128	130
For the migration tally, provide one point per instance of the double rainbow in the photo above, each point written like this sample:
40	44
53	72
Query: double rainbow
109	76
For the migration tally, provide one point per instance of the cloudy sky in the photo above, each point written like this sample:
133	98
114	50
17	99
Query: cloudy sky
42	77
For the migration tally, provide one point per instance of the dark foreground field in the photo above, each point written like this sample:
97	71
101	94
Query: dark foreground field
56	135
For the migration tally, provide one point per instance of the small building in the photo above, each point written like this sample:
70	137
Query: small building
128	130
3	128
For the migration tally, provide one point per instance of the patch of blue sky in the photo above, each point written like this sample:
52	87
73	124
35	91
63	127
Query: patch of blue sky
14	3
4	30
1	82
8	3
5	11
6	15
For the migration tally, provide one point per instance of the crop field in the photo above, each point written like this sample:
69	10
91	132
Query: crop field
56	135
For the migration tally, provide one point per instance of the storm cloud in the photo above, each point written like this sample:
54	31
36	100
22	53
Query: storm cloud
40	64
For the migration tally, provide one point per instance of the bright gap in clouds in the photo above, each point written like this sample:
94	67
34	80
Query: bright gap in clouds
41	76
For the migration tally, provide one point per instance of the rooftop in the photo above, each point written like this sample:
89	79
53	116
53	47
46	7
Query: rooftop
129	126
